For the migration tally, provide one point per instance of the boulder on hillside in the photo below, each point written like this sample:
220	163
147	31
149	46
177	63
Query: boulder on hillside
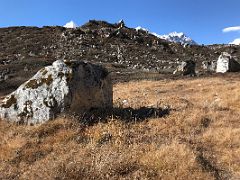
71	86
186	68
209	66
226	63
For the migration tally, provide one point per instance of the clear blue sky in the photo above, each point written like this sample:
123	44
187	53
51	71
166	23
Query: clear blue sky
202	20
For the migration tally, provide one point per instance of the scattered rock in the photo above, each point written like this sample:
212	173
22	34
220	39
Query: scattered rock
209	66
72	86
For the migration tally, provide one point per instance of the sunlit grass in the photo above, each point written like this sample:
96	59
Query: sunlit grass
199	139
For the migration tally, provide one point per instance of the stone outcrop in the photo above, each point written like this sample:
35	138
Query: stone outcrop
62	87
226	63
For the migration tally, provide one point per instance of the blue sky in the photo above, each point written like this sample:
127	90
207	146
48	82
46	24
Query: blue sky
202	20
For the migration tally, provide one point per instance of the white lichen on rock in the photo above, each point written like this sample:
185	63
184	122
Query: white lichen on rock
64	86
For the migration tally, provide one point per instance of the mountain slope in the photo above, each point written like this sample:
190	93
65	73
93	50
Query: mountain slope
124	51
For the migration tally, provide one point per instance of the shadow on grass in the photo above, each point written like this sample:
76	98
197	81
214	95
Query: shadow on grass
127	115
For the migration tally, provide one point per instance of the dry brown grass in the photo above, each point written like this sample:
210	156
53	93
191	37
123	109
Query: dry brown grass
199	139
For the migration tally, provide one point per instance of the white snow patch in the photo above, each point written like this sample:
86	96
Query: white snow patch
235	41
141	28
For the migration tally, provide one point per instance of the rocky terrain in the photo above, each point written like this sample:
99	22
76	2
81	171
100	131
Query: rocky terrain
162	126
127	53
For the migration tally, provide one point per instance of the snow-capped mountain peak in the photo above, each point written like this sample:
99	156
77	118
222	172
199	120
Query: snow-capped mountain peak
71	24
178	38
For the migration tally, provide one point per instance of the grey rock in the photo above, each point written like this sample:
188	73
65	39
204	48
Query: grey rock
186	68
62	87
209	66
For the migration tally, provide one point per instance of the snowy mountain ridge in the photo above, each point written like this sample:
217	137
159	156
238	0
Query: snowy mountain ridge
172	37
178	38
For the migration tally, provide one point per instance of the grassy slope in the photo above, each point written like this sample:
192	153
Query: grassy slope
198	140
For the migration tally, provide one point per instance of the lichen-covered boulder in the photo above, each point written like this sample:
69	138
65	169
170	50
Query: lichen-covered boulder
226	63
63	87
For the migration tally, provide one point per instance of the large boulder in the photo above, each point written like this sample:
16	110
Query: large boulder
63	87
226	63
186	68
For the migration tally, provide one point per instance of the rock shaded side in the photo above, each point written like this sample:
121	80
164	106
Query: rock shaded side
64	86
226	63
93	85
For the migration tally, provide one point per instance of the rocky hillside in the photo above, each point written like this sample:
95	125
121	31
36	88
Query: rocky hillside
24	50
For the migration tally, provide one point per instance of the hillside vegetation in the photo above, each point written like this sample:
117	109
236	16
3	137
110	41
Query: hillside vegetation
198	139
